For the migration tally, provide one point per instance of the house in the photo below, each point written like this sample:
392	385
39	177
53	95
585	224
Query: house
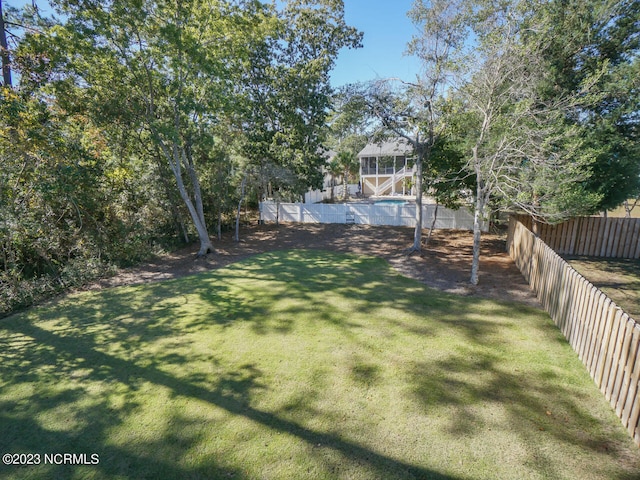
387	168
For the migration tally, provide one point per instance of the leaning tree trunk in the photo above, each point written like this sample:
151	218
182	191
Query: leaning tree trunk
174	157
201	227
433	225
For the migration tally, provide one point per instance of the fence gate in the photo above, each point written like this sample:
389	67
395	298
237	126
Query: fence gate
350	216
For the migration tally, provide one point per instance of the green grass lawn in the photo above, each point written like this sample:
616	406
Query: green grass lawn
617	277
296	365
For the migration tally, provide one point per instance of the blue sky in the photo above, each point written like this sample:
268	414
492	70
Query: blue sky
387	30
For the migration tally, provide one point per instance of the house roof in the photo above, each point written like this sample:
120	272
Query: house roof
398	146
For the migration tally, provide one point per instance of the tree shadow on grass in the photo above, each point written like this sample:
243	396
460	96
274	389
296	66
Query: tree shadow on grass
231	392
527	402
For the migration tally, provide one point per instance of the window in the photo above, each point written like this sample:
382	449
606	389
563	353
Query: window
368	165
386	166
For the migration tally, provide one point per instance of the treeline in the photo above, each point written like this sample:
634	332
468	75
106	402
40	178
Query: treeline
129	126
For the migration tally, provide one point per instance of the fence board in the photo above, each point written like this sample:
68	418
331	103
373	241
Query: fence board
634	416
606	234
621	325
633	385
601	319
585	305
598	239
625	240
613	235
562	301
574	235
568	235
589	237
589	320
605	346
628	388
621	370
575	312
616	237
633	233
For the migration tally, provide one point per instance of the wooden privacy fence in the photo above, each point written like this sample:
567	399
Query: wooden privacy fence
366	214
606	339
591	236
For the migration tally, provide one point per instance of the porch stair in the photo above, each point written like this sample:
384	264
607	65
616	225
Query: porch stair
387	186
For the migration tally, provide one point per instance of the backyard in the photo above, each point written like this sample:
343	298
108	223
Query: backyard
302	363
618	278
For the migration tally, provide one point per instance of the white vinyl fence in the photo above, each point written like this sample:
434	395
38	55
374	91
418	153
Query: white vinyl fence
365	214
317	196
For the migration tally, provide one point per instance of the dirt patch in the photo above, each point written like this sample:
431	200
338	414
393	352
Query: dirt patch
618	278
445	265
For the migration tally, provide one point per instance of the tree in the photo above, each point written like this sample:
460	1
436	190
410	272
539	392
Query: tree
445	178
518	149
334	169
75	200
401	114
346	165
347	136
289	92
348	132
167	68
596	38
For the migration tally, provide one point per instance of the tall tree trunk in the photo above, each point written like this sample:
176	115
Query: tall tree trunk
345	186
417	234
478	219
242	190
4	51
477	233
201	228
628	207
219	224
